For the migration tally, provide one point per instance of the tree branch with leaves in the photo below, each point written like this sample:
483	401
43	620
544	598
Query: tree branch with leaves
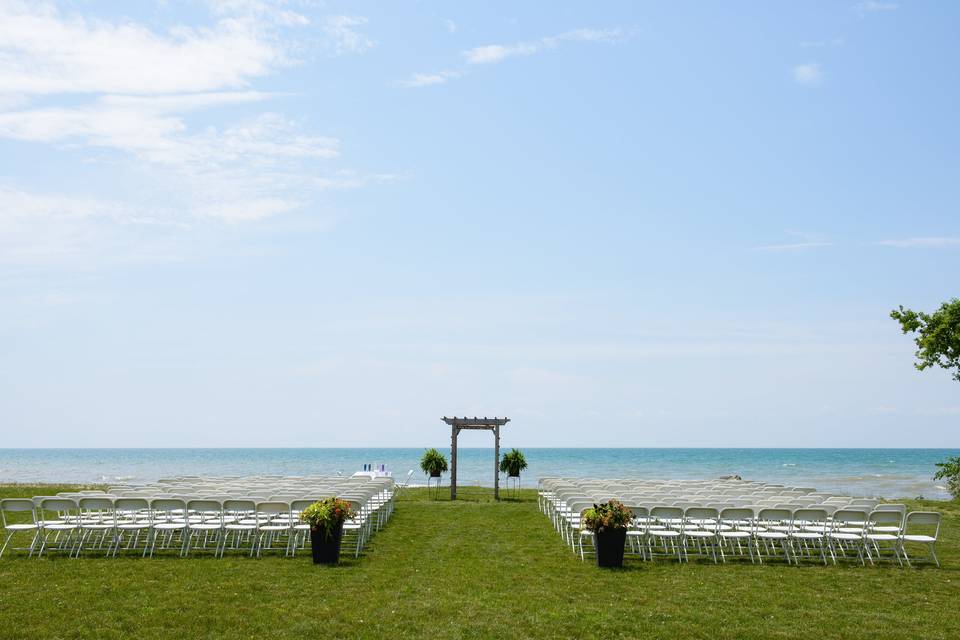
938	335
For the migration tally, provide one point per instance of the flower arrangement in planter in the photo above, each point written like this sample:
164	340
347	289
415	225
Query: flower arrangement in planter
513	463
608	521
326	518
433	463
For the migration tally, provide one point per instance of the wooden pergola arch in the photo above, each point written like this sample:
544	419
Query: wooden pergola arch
492	424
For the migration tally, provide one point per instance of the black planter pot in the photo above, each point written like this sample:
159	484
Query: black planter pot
326	550
435	474
610	546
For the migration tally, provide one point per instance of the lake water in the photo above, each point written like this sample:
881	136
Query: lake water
887	473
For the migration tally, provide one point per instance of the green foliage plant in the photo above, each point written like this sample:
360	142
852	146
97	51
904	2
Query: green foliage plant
607	516
513	463
325	515
938	339
433	462
950	471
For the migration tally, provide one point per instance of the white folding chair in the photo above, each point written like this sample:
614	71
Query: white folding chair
133	519
19	506
205	517
168	524
63	527
884	530
848	529
735	532
97	521
239	517
666	531
772	530
272	523
925	519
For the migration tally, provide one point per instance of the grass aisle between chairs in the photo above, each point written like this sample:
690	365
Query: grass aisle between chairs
471	569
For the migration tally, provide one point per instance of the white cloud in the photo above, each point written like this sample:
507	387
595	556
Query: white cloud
804	241
44	52
792	246
429	79
493	53
874	6
933	242
450	26
823	44
344	36
132	90
808	74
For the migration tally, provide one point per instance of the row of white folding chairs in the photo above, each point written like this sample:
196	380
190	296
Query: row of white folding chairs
793	534
114	523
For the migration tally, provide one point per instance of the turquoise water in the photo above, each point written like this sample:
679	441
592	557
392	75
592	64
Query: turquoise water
861	472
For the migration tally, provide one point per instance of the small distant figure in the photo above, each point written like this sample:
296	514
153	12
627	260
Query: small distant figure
734	477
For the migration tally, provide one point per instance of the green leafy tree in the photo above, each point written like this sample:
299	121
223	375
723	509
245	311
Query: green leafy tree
950	471
938	339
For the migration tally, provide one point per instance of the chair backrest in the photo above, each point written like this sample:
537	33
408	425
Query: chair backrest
666	513
96	504
205	506
886	518
131	505
297	506
701	513
17	504
734	515
810	516
829	508
273	507
775	515
638	511
66	505
166	507
239	505
923	518
900	508
850	518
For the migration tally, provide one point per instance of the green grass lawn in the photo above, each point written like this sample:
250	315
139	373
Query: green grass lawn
473	569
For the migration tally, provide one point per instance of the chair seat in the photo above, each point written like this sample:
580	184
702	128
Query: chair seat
170	526
205	527
699	533
845	536
882	537
132	526
274	527
23	527
665	533
806	535
239	527
61	526
772	535
919	538
734	534
99	526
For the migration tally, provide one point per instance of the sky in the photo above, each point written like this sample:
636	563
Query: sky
257	223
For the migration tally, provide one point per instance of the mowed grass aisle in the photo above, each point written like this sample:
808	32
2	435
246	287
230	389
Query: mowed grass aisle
472	569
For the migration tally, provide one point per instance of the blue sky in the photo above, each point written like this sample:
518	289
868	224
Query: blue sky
253	223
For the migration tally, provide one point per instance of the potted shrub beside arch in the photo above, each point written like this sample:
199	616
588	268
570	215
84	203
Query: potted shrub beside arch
326	518
513	463
608	521
433	463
